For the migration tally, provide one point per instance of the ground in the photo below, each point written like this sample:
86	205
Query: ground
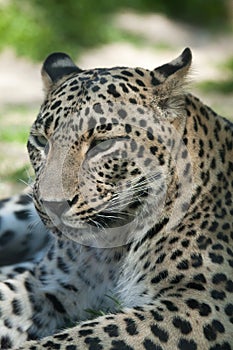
163	39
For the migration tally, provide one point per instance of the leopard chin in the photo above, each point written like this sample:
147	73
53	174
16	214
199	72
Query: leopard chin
94	236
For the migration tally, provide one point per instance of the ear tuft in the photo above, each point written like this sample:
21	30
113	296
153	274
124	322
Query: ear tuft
55	67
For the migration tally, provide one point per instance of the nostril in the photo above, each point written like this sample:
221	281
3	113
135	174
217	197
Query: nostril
57	208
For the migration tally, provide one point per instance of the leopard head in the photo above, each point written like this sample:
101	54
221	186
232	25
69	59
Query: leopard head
104	148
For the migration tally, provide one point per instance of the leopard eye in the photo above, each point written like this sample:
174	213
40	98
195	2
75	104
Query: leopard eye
102	145
40	140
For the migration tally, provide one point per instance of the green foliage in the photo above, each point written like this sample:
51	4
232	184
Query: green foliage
21	174
206	13
18	133
36	27
222	86
97	313
229	64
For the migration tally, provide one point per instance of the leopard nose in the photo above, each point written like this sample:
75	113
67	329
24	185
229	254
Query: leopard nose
56	207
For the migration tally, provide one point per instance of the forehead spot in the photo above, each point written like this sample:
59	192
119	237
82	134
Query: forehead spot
139	71
95	88
97	108
127	73
112	90
142	123
133	101
128	128
124	87
122	113
140	82
133	88
103	80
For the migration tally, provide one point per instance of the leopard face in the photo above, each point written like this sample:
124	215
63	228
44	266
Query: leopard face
103	148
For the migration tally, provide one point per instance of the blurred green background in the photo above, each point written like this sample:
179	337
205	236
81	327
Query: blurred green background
32	27
35	28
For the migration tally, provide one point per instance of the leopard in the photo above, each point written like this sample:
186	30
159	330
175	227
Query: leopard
133	180
23	237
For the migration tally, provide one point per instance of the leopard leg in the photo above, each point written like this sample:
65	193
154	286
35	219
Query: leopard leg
171	323
22	235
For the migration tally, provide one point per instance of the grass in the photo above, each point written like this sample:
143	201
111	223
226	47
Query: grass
94	313
97	313
224	86
22	174
17	133
15	170
15	123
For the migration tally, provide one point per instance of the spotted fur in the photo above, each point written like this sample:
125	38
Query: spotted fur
134	180
22	234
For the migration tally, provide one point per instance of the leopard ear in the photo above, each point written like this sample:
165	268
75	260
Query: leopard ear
175	69
169	81
55	67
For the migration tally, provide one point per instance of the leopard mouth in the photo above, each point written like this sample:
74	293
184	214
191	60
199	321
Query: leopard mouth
113	219
104	229
108	217
110	223
109	220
